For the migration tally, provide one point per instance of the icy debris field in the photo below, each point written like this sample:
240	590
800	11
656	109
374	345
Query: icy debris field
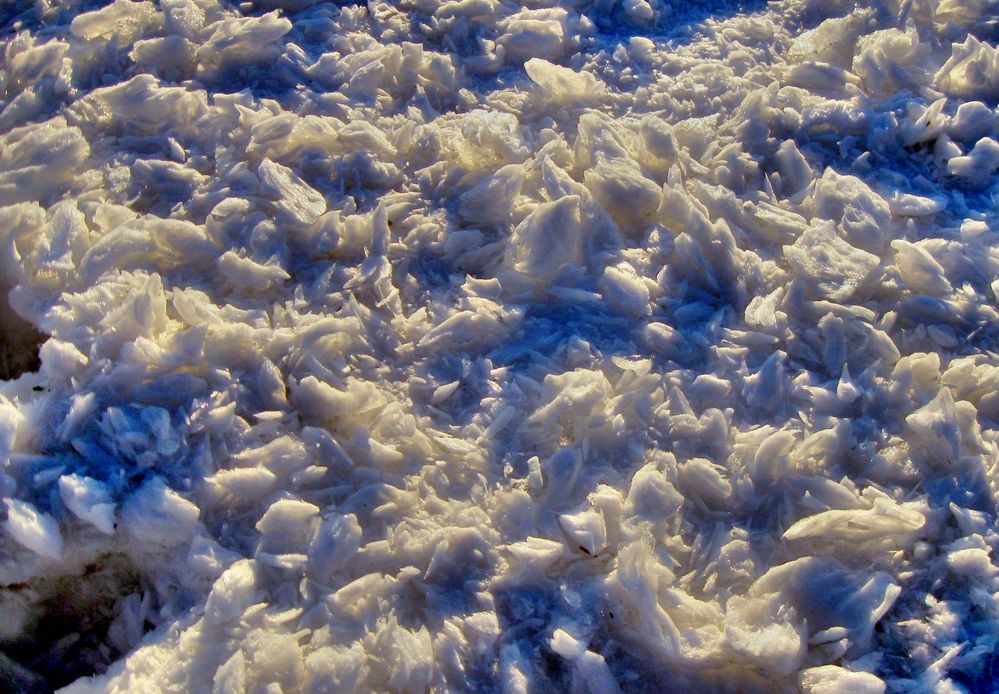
470	345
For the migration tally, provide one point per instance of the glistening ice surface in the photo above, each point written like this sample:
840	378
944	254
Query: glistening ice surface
483	346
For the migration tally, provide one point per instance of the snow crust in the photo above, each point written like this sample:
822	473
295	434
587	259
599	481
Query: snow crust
483	346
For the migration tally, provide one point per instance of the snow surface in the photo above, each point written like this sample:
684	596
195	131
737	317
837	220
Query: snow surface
482	346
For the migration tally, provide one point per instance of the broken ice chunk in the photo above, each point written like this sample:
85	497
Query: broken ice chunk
250	275
626	290
532	33
561	472
283	455
937	429
513	670
971	561
618	184
973	121
975	169
772	458
172	55
157	514
288	526
658	139
651	496
908	205
296	200
560	84
890	60
89	500
832	267
238	41
703	479
549	239
336	542
492	199
795	171
33	529
615	179
64	240
766	632
846	389
827	595
36	160
971	71
764	390
586	529
232	593
920	270
533	557
833	679
862	215
242	485
591	667
833	41
886	525
927	126
121	20
209	558
144	103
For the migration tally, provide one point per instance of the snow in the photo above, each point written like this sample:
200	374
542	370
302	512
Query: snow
472	345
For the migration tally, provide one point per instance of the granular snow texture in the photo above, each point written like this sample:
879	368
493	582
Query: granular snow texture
639	345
